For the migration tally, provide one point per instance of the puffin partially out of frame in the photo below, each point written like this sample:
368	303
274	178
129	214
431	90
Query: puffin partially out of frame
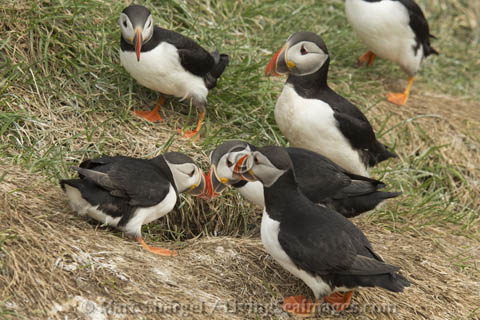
321	180
167	62
316	244
126	193
313	116
395	30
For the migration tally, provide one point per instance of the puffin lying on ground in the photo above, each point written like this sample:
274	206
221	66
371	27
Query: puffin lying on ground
395	30
319	179
318	245
127	193
167	62
312	116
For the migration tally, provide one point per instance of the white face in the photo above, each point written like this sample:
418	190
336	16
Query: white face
263	169
187	176
304	58
128	30
224	168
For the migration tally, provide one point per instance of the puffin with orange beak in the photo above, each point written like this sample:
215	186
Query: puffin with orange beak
313	116
167	62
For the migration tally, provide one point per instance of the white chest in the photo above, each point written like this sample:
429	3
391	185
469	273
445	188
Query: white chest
310	124
253	192
269	234
384	27
160	70
146	215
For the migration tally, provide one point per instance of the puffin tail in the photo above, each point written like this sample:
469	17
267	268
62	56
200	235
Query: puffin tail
379	155
221	62
353	206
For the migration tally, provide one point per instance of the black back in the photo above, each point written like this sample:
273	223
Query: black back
119	185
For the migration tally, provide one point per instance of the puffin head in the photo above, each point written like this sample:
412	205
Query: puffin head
186	175
137	26
304	53
266	165
222	160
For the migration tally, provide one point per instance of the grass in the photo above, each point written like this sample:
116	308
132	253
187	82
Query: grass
64	98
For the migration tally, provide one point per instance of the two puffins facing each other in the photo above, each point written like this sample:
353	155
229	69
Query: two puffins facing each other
126	193
168	62
316	244
393	30
313	116
319	179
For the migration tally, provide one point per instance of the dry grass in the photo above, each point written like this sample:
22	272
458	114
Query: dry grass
60	266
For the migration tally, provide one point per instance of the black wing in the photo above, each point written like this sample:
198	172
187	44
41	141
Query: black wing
135	180
419	25
317	176
193	57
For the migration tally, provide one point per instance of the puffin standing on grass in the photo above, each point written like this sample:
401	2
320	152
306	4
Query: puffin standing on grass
395	30
319	179
167	62
313	116
316	244
126	193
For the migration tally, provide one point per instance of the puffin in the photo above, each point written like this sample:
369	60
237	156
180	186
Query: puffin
316	244
313	116
168	62
396	30
126	193
319	179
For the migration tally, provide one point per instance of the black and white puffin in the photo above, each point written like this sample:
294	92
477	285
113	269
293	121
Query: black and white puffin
126	193
313	116
395	30
319	179
167	62
316	244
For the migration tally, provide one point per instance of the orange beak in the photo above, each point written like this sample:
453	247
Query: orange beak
138	43
272	65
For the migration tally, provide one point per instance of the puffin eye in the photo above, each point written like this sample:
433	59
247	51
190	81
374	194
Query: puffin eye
303	51
255	160
125	23
149	23
191	173
229	163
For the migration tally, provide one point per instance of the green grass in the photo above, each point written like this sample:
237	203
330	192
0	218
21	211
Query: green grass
64	97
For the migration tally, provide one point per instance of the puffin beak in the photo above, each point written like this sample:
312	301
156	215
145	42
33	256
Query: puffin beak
273	66
199	189
138	41
217	185
242	169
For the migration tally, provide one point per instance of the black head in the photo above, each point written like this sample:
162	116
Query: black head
222	160
136	24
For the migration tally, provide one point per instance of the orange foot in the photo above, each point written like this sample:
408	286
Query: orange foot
368	56
298	305
397	98
156	250
340	301
192	133
153	115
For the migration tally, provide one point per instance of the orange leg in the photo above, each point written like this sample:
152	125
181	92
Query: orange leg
369	57
401	98
156	250
298	305
192	133
340	301
153	115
